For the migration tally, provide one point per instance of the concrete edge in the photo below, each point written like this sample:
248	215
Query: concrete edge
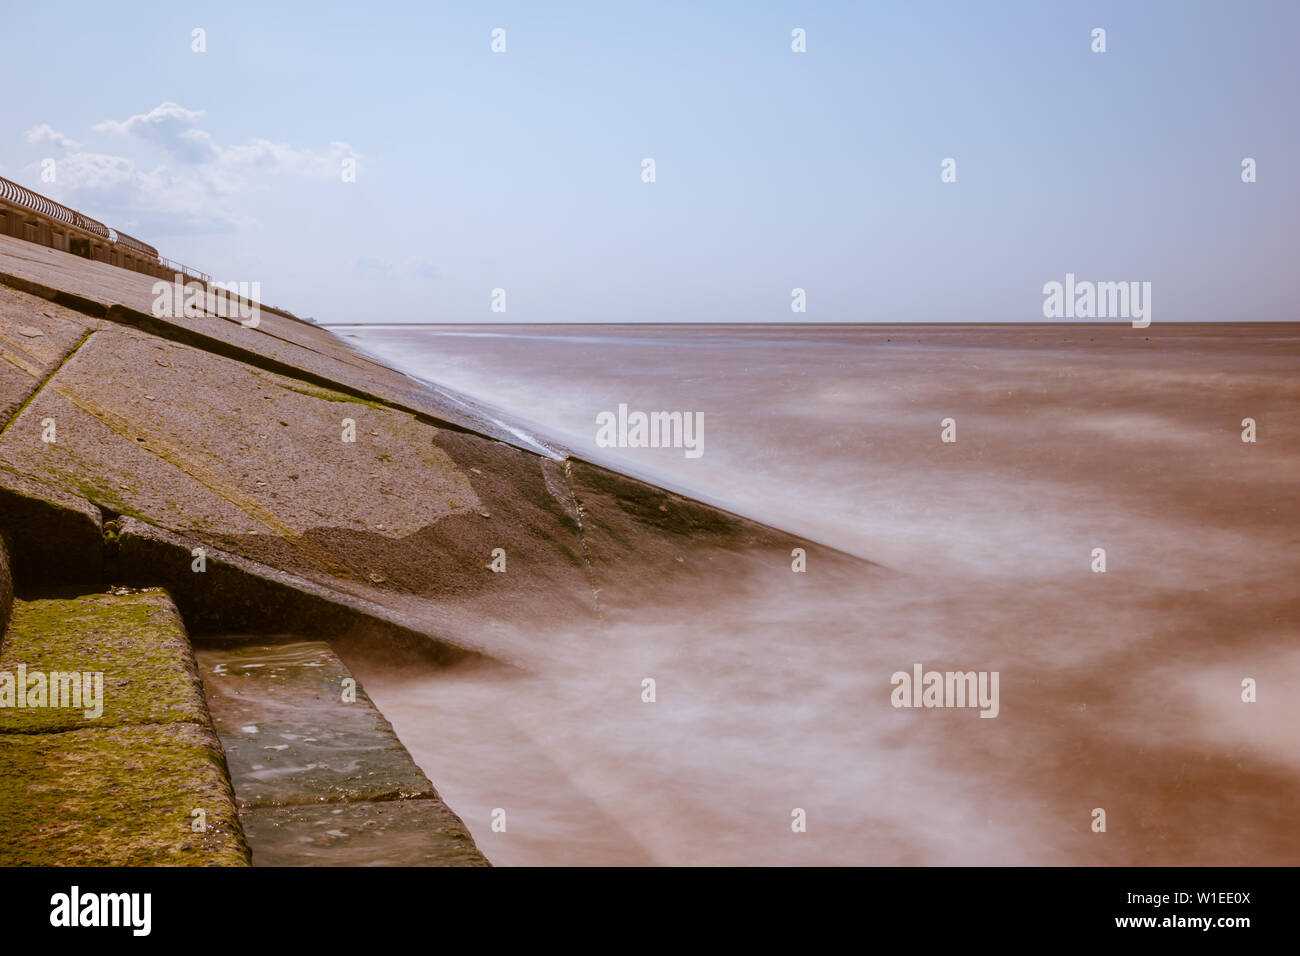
6	589
77	303
123	315
205	738
235	593
53	537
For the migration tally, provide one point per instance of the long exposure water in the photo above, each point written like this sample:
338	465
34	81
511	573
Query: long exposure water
1119	690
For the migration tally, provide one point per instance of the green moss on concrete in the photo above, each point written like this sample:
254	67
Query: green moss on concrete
332	396
120	796
103	497
136	640
93	491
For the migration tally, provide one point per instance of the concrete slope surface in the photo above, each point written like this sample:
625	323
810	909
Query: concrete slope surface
318	464
277	481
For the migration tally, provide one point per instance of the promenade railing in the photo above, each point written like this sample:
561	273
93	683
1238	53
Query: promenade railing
22	196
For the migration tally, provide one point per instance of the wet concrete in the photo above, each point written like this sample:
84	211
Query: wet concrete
319	775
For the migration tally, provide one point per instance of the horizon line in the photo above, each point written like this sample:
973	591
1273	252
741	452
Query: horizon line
1123	324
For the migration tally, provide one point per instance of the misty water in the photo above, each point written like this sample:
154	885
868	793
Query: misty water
1119	690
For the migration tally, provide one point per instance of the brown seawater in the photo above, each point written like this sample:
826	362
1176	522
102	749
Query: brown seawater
1118	690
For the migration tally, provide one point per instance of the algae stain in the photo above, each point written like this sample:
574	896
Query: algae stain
331	396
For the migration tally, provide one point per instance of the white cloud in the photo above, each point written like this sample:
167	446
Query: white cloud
168	125
45	134
270	157
95	170
203	186
175	129
165	198
163	116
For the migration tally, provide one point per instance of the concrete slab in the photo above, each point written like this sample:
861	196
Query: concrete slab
117	796
209	445
396	833
97	281
234	593
35	338
111	777
249	462
319	776
135	641
54	537
126	298
289	735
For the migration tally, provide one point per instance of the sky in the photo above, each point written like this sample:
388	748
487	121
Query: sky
774	170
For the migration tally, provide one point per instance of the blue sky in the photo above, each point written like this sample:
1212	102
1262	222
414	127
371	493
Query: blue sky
774	170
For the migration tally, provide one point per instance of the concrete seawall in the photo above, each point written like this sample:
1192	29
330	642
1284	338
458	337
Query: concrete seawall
275	480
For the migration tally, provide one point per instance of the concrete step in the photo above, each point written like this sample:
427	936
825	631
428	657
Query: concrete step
107	753
319	775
